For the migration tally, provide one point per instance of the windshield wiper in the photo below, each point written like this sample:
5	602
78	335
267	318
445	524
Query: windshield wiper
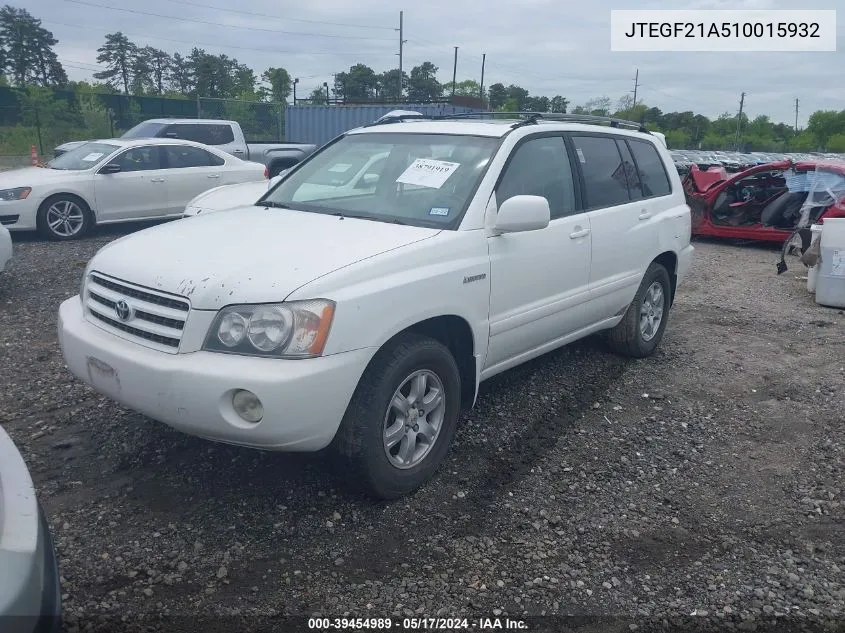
274	205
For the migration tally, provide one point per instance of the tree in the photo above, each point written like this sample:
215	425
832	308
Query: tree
280	83
359	84
155	67
824	124
497	94
423	85
468	88
558	104
179	75
598	106
28	54
119	55
318	96
389	84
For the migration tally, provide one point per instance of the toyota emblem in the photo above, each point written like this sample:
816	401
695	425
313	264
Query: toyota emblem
122	310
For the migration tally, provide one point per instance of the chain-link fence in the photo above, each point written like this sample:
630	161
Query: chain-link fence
44	118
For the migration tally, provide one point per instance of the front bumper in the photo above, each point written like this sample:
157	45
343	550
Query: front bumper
304	400
19	215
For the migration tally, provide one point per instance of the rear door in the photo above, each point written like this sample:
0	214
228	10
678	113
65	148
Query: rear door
623	214
137	191
190	171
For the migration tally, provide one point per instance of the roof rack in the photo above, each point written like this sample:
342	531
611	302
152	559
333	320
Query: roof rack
528	118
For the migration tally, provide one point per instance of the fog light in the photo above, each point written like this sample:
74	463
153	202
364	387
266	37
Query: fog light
248	406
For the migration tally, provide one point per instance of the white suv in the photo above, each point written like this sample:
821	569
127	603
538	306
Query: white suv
366	321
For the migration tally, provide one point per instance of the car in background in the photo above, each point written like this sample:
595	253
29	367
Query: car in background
229	197
226	136
768	202
5	248
104	182
30	591
682	162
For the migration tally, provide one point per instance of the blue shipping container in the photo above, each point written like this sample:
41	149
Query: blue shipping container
320	124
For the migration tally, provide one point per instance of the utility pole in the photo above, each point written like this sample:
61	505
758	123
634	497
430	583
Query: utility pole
481	89
636	85
739	119
455	72
796	116
402	43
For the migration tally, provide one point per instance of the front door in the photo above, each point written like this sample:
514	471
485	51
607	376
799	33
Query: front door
539	279
137	191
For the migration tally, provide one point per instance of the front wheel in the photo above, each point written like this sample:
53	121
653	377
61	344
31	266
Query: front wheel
640	331
64	217
401	421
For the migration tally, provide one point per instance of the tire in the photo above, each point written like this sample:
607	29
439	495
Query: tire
631	336
361	439
51	211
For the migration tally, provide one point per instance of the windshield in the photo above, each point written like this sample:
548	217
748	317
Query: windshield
83	157
417	179
144	130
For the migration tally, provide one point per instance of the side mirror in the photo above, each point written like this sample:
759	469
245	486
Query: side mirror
110	168
522	213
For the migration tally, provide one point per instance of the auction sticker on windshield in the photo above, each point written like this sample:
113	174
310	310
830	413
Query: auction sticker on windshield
92	157
425	172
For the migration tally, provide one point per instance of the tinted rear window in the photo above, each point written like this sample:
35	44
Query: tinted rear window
604	173
653	177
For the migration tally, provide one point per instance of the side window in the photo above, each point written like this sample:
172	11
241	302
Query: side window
182	131
139	159
655	180
217	134
632	176
540	167
604	171
182	156
215	160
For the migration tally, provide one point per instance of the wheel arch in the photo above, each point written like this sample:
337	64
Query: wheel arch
457	335
669	261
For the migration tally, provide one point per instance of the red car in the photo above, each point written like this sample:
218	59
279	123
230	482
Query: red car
765	202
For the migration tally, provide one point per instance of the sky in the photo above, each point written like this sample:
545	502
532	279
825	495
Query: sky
549	47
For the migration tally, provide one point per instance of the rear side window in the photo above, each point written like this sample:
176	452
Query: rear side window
201	133
183	156
653	176
604	172
632	176
540	167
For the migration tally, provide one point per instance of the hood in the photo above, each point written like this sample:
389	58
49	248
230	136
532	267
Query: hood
251	255
32	176
227	196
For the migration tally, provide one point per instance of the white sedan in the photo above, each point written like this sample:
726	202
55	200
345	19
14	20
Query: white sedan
116	180
229	196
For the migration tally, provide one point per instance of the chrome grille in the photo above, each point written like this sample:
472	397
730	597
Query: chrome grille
155	319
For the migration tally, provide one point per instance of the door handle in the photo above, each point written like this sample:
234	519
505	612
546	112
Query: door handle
645	215
156	179
237	151
579	232
214	175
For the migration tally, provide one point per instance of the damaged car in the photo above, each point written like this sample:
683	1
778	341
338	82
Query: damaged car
772	202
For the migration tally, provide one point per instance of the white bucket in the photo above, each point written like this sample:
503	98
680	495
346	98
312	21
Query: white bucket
830	281
813	271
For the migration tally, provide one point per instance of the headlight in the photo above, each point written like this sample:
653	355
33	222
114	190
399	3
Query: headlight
297	329
18	193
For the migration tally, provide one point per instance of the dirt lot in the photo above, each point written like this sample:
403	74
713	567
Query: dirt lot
707	480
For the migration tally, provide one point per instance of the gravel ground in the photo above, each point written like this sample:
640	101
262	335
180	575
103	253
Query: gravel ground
704	483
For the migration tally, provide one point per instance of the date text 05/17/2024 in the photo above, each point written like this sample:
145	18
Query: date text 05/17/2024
416	624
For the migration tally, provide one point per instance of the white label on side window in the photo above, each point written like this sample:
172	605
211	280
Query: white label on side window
580	155
426	172
340	168
92	157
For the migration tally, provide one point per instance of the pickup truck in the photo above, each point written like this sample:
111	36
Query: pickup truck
224	135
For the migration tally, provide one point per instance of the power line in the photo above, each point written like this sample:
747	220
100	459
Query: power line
276	17
210	45
230	26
